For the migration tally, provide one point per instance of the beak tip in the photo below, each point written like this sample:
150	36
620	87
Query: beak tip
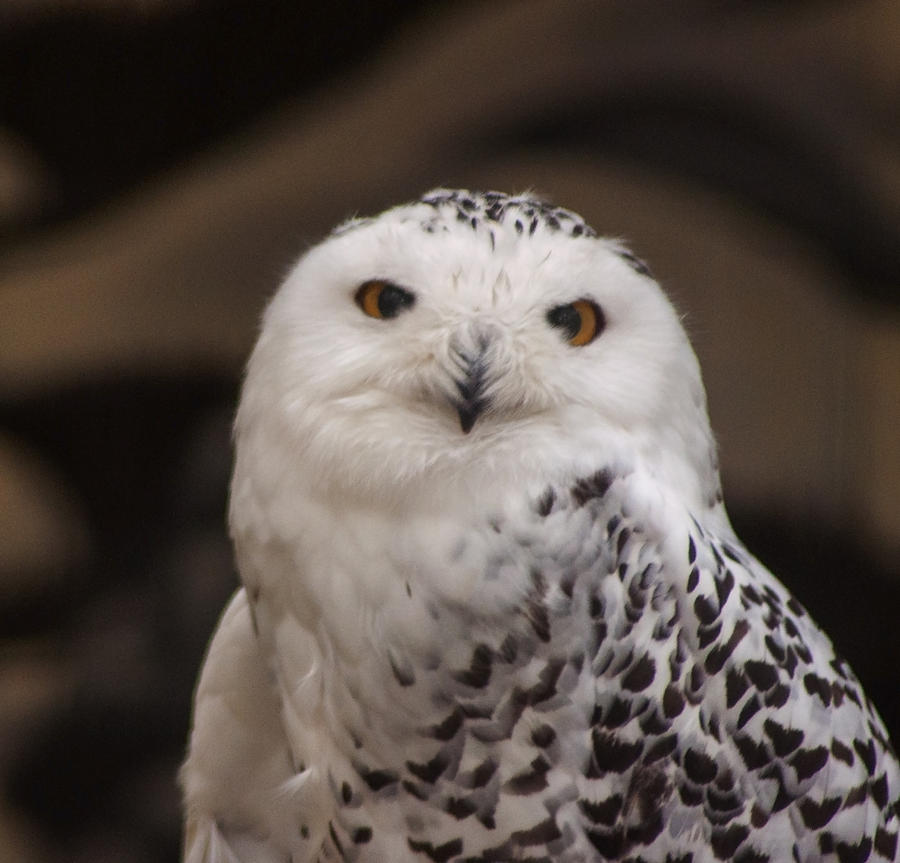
467	416
470	403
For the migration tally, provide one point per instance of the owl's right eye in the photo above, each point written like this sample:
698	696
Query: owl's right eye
381	299
581	322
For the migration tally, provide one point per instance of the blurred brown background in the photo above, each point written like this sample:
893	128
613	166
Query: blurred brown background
163	162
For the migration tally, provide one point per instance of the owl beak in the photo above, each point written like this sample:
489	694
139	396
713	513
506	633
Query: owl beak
468	412
471	402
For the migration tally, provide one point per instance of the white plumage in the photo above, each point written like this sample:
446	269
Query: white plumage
493	608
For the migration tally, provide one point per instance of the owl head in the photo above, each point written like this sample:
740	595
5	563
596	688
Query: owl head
463	342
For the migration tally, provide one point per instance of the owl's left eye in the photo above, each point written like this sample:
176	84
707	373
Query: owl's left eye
381	299
581	321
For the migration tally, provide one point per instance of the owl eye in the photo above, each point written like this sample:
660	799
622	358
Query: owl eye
380	299
581	321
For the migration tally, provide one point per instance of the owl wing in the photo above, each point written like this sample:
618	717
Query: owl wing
243	795
723	723
783	722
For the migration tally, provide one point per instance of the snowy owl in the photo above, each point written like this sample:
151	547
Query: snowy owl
492	608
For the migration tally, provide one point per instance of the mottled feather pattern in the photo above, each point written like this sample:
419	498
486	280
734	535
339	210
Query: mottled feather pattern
656	700
492	606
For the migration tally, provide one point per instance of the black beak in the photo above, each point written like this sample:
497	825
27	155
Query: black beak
471	402
468	413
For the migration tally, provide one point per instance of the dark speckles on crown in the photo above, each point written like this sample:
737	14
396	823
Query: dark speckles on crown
482	209
634	262
521	215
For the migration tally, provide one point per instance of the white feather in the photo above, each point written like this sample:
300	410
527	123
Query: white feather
380	539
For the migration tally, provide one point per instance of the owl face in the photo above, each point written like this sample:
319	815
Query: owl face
462	336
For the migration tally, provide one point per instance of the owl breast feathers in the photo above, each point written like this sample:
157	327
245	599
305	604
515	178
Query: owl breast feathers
492	605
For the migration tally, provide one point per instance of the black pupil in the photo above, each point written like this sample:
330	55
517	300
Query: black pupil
566	318
392	300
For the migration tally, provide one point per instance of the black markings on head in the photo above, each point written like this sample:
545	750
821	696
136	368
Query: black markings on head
486	208
634	262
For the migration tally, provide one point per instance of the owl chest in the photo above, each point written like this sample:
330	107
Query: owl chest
412	617
456	670
469	738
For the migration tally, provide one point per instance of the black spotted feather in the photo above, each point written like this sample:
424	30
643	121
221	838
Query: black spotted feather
673	702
